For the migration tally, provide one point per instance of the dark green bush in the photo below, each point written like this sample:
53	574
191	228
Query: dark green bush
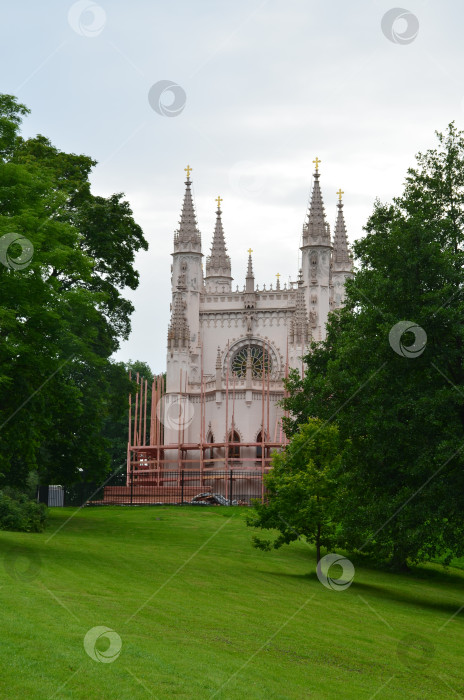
19	513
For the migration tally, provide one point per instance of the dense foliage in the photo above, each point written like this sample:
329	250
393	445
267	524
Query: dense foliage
400	405
19	513
63	314
115	430
301	489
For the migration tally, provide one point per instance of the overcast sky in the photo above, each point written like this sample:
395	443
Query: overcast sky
264	87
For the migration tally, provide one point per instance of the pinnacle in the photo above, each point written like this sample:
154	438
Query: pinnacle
341	254
299	326
178	333
250	278
218	358
250	267
218	262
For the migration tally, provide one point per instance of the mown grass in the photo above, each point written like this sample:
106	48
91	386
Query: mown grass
202	614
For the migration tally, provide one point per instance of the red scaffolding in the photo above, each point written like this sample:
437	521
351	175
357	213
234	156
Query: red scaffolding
150	459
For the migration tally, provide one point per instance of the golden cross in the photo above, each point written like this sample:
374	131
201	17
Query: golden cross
340	194
219	200
278	275
188	169
317	161
249	251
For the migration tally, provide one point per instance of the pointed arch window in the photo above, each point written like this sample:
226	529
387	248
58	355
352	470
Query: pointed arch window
259	448
210	450
234	449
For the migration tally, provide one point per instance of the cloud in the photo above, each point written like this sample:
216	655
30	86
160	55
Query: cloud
269	84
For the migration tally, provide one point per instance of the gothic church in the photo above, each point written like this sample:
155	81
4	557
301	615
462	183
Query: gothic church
230	349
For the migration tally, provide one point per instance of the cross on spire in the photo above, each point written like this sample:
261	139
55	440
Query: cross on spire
316	163
219	200
278	275
188	170
340	194
249	251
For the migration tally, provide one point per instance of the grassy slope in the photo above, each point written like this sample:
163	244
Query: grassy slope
222	609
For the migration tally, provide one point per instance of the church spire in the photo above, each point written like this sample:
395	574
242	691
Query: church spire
250	294
341	254
250	278
187	237
316	229
218	270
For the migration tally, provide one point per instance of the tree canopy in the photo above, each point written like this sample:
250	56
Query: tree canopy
301	489
64	313
398	395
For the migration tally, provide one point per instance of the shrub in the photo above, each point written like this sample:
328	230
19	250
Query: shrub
18	512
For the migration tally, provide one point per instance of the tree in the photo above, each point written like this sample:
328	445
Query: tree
116	429
63	315
301	489
400	401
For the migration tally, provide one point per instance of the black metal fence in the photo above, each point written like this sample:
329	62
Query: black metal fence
233	487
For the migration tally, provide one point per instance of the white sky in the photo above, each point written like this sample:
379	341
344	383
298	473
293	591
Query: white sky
269	85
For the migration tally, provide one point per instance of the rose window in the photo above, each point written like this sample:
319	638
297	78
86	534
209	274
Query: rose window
260	359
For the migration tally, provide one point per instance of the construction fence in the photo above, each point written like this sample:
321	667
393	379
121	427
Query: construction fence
181	487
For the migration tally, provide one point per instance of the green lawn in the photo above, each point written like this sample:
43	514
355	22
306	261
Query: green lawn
202	614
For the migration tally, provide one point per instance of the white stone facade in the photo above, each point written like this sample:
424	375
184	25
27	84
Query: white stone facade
219	338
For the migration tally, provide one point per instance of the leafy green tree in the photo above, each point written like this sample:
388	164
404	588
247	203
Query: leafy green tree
63	315
301	489
399	400
116	426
